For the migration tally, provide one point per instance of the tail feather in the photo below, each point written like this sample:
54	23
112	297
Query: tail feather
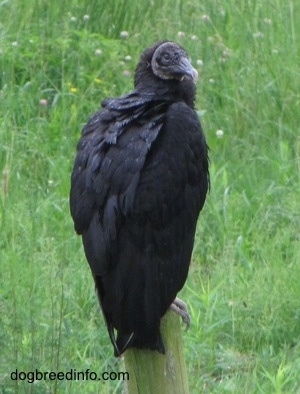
139	341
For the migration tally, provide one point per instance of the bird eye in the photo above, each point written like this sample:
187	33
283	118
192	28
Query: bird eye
166	56
164	59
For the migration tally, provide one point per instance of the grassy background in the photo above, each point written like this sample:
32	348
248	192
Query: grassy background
244	284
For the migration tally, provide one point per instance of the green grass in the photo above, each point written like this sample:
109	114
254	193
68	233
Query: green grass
244	284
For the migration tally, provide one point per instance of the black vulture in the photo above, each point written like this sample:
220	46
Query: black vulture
139	181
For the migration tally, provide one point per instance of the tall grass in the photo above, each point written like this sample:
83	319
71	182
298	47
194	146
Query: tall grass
57	61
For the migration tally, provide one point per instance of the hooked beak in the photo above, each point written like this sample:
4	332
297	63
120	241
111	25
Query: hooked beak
185	69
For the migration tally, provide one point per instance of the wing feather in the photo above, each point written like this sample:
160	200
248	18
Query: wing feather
110	156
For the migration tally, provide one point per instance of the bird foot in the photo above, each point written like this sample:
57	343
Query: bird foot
180	307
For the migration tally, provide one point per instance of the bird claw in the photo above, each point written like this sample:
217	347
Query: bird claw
180	307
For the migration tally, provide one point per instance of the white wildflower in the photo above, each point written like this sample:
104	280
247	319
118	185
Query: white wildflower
180	34
219	133
127	73
205	18
226	52
268	21
43	102
258	35
124	34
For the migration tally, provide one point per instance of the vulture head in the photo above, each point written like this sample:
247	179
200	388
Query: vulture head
170	61
165	63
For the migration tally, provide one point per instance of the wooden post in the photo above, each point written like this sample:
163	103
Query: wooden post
151	372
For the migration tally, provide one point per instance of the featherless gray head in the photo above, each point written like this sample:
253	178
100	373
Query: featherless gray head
170	61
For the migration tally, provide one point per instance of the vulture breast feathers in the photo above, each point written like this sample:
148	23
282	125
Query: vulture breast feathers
139	181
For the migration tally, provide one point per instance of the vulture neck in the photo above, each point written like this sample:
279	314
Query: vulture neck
170	90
